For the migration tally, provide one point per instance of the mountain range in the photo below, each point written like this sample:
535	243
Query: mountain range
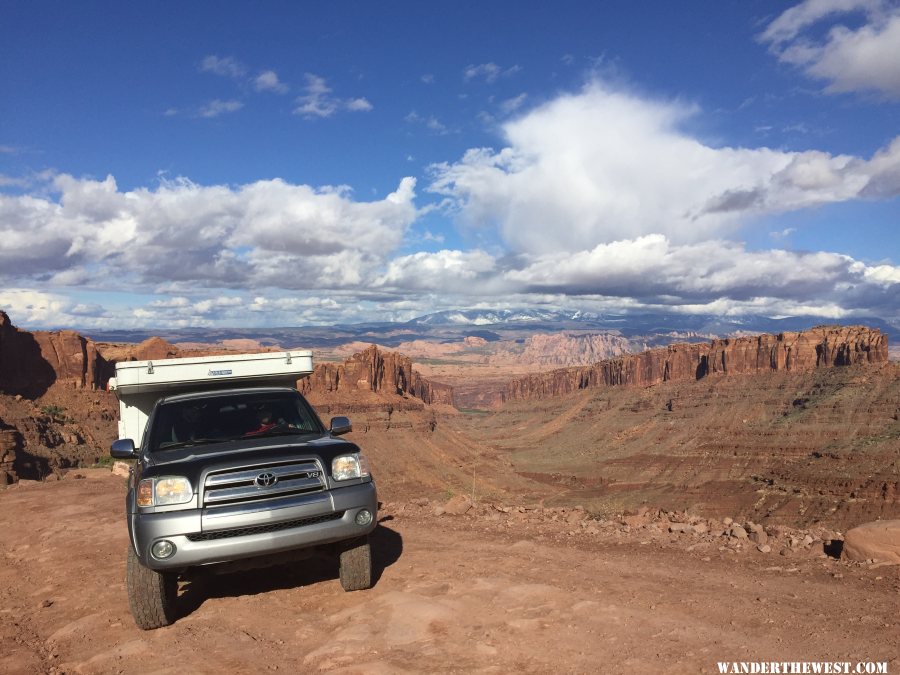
494	325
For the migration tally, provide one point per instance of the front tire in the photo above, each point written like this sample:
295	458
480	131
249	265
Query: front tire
151	594
356	565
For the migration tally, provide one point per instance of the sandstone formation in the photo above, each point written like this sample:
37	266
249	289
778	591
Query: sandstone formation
151	349
373	370
878	541
31	362
823	346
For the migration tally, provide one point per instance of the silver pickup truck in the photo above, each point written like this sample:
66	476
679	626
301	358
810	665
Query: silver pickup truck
240	475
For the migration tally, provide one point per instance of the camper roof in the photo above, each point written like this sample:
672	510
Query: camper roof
210	372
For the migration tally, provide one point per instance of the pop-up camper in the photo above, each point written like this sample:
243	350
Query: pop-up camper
138	384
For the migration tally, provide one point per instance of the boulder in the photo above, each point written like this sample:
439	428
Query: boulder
879	541
121	469
458	506
738	532
757	534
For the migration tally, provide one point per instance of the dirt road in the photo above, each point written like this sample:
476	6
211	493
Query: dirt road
454	594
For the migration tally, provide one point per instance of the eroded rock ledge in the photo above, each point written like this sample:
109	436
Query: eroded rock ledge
375	371
822	346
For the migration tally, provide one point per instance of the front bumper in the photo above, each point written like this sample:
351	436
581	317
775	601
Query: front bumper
324	518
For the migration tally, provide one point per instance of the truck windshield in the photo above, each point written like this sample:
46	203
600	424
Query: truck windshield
211	419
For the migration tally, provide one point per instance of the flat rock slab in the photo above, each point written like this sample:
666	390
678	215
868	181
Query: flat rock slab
879	541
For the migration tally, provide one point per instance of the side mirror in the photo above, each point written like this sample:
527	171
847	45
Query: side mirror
340	425
123	449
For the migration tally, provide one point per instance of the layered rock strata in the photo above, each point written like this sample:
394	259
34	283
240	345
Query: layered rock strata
823	346
373	370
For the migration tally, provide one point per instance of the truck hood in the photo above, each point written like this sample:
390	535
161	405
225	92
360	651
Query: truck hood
191	461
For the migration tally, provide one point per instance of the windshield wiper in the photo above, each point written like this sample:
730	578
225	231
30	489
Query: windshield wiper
186	444
279	432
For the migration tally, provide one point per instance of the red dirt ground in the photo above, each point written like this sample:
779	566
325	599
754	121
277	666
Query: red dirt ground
492	593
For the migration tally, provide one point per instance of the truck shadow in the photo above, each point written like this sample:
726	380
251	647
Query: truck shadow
386	544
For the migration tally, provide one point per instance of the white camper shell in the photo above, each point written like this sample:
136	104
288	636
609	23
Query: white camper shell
139	384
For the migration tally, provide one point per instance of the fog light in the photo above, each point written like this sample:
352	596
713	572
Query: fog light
364	517
162	550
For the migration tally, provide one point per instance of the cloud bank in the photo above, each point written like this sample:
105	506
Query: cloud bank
601	199
259	234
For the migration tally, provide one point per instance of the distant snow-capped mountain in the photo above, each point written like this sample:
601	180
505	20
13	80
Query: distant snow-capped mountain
482	317
652	329
634	324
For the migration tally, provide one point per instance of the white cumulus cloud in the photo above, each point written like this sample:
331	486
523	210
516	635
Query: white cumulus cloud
268	81
263	233
29	307
440	271
602	165
318	100
860	58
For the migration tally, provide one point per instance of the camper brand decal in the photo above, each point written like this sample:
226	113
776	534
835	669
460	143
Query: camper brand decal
219	372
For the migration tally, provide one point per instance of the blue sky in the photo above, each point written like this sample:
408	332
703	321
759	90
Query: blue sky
286	164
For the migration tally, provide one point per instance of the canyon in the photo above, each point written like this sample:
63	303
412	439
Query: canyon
794	428
686	503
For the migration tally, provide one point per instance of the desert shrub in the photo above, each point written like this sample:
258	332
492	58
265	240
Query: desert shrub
57	412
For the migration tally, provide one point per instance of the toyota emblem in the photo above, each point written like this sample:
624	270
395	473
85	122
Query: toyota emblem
267	479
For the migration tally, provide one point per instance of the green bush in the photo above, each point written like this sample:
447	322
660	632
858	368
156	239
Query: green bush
57	412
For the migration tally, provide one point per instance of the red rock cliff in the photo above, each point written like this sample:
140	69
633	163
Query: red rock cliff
823	346
31	362
375	371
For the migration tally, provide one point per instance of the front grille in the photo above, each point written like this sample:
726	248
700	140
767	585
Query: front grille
253	484
261	529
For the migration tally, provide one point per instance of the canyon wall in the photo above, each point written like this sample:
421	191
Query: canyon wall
30	362
373	370
823	346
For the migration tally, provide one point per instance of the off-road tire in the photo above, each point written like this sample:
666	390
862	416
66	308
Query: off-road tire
151	594
356	565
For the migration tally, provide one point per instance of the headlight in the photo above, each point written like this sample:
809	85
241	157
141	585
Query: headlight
349	466
164	490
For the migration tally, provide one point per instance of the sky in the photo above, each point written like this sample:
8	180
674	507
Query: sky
277	164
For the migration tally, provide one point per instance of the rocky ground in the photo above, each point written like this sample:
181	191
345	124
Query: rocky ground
486	588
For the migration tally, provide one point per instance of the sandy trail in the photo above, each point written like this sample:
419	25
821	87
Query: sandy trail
454	594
